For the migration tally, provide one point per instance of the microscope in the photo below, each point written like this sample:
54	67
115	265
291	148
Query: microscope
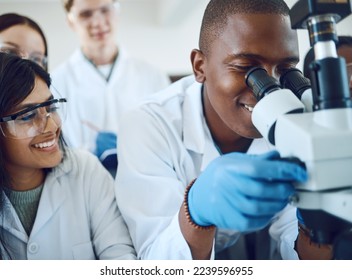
310	122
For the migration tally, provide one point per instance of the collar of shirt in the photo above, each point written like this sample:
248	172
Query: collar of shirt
196	134
78	58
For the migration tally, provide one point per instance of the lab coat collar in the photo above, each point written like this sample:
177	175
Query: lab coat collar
10	220
197	137
193	119
51	199
53	194
78	57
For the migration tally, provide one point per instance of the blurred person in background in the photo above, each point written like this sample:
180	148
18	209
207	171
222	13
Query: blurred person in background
22	36
101	79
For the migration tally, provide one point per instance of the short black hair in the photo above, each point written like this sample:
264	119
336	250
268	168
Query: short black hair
217	13
308	59
67	5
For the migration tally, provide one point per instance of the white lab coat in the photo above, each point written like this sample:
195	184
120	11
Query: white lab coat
93	100
163	145
77	217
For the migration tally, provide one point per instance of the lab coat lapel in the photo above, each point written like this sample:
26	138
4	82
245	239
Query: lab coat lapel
197	137
53	195
10	220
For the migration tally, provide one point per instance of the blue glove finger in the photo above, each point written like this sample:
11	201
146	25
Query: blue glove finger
251	188
264	168
237	220
261	208
105	141
269	155
255	206
242	222
258	189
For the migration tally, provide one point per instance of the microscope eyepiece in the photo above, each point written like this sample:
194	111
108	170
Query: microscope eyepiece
294	80
260	82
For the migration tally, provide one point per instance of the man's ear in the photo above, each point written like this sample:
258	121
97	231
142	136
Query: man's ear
198	65
69	21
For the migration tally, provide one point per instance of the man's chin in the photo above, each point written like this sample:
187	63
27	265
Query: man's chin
103	39
254	134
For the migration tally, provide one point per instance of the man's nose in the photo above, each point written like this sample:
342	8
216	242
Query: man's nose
97	17
272	72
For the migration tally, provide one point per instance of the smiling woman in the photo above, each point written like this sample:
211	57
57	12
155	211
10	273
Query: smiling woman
56	203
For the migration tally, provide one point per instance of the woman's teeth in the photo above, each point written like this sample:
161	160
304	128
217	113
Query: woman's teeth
45	144
249	108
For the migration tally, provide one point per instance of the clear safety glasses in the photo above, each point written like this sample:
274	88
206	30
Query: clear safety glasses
86	15
36	57
32	121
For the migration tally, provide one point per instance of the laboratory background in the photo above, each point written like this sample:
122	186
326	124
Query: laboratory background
161	32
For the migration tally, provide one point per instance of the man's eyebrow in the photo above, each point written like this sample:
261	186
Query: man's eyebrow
290	59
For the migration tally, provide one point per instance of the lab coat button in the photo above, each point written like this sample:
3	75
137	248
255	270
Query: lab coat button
33	248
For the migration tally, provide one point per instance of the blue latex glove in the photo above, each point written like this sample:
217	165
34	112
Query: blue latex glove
106	149
243	192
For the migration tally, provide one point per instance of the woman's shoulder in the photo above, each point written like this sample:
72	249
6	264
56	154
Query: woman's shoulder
78	160
80	167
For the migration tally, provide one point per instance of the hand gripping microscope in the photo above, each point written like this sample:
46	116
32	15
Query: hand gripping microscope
311	121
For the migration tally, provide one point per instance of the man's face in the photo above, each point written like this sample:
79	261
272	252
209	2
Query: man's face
249	40
94	21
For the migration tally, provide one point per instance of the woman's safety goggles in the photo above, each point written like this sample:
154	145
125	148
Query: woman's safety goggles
32	121
36	57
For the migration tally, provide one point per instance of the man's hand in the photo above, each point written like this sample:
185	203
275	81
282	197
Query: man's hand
243	192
